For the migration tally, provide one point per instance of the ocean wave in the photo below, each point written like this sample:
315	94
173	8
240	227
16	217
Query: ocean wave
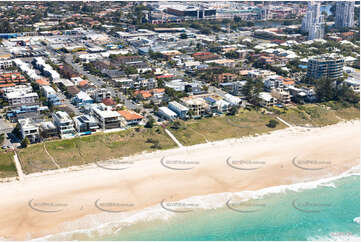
335	237
357	220
107	224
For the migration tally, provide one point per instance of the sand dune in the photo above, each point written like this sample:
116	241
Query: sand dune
48	204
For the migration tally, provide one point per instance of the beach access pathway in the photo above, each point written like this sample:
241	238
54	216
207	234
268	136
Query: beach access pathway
173	138
19	170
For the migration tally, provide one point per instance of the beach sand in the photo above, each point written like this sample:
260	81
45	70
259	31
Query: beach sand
48	204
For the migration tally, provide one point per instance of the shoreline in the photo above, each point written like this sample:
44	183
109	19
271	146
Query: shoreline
140	183
207	202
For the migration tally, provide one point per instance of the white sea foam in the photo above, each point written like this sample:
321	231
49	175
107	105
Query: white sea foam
335	237
357	220
106	224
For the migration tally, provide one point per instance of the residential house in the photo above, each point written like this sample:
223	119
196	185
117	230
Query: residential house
64	124
85	123
106	118
29	129
179	109
266	99
166	113
131	117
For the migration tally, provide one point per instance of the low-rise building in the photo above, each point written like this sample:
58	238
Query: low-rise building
29	129
179	109
166	113
282	96
85	123
106	118
131	117
48	130
64	124
266	99
198	107
19	98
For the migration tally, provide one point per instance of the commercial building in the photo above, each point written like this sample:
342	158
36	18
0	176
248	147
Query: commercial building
345	11
192	12
327	66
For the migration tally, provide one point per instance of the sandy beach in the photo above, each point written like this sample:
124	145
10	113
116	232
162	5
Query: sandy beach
48	204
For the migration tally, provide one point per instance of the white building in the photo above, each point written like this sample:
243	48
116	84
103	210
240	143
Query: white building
5	64
179	109
167	113
19	97
29	130
64	124
313	21
107	119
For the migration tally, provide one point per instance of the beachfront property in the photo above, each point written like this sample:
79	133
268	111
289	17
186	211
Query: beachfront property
48	130
85	123
179	109
198	107
281	95
131	117
64	124
29	129
106	118
266	99
328	66
166	113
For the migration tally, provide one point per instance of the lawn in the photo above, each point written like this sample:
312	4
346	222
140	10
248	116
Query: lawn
7	165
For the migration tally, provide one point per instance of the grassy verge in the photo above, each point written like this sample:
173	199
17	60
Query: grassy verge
88	149
7	165
104	146
217	128
319	114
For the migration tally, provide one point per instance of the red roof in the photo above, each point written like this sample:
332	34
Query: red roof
130	115
109	101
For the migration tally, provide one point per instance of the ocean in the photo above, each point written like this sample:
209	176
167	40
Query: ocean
327	209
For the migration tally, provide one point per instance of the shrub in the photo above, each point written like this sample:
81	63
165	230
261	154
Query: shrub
272	123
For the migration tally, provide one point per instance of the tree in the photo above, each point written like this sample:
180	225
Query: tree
325	89
150	122
233	110
25	142
272	123
251	91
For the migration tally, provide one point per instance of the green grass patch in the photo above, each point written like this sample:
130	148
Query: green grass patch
217	128
96	147
7	165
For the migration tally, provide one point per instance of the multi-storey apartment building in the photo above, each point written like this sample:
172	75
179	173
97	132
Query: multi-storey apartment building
327	66
345	11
